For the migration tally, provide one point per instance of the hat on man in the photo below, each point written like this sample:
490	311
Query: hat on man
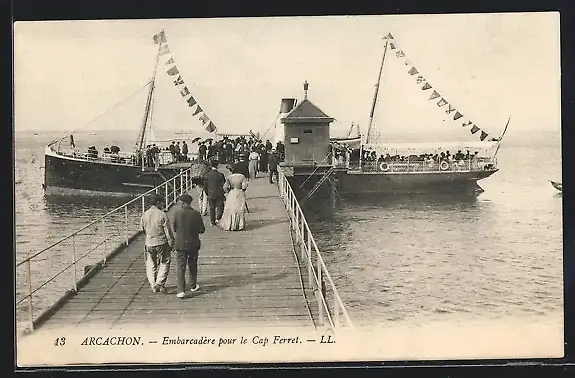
186	198
155	199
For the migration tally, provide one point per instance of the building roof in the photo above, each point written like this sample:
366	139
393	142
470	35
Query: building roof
306	111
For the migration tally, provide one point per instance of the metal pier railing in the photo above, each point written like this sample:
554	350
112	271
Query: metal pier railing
65	266
330	305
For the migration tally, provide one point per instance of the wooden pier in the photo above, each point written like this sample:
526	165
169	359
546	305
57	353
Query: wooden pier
246	278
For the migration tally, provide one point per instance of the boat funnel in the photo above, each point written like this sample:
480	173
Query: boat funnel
287	105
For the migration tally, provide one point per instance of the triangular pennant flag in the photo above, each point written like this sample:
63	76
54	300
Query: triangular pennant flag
413	71
389	36
164	50
198	110
170	61
191	101
185	91
426	86
450	109
204	118
178	81
483	135
392	46
420	79
474	129
495	139
457	116
466	123
400	54
441	102
173	71
434	95
211	127
160	38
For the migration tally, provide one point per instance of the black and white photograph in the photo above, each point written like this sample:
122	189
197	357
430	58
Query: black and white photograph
288	189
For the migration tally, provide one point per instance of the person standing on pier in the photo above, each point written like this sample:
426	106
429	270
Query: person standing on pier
215	181
254	158
187	223
159	241
273	162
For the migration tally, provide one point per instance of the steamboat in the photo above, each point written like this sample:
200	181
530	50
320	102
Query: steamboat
362	164
112	172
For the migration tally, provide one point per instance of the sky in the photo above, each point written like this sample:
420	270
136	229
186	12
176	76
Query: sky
489	66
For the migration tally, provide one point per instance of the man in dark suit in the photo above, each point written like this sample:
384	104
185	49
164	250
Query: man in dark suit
215	181
273	162
187	225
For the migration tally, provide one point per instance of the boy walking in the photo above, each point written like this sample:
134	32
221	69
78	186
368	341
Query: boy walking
159	241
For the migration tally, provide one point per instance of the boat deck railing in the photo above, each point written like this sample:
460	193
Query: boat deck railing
330	305
467	165
67	264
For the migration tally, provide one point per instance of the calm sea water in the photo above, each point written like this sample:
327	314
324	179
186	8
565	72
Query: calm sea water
408	258
425	258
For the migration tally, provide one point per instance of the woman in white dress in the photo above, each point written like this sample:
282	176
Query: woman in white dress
235	207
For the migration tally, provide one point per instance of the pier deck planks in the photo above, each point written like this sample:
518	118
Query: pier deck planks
247	278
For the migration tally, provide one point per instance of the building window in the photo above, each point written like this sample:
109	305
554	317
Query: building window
294	140
308	131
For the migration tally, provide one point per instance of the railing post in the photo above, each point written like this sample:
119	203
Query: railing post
166	194
105	238
143	205
336	310
319	289
296	225
181	181
175	191
309	261
126	223
74	277
30	310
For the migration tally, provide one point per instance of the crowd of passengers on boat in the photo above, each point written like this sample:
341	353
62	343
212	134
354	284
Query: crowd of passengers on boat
354	157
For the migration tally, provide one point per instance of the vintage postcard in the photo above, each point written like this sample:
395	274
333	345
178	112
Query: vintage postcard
288	189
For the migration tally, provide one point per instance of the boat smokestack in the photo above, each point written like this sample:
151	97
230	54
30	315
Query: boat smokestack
287	105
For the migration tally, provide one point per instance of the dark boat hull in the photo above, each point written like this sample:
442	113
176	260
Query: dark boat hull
400	183
412	183
69	176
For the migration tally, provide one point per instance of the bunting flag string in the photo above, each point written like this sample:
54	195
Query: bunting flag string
172	70
441	102
426	86
160	37
434	95
198	110
164	50
204	118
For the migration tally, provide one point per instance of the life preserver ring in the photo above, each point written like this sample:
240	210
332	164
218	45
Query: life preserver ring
384	167
444	166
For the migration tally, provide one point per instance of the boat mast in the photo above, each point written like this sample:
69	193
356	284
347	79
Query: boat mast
376	92
142	134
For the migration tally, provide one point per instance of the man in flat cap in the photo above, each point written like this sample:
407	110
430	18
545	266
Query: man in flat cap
187	223
159	241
